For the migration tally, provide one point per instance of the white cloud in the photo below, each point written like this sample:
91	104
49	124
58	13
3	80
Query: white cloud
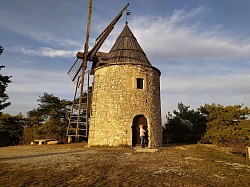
227	84
180	15
228	88
46	52
44	36
39	81
180	36
28	85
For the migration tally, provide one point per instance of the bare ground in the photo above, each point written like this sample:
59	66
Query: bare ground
78	165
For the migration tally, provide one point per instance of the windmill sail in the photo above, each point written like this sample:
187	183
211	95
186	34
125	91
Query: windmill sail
73	70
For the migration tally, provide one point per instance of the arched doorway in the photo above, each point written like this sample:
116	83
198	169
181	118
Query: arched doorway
139	120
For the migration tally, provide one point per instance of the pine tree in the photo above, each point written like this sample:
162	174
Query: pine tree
4	81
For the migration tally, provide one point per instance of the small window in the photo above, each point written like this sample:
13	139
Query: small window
139	84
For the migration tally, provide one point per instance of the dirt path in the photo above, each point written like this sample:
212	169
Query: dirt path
77	165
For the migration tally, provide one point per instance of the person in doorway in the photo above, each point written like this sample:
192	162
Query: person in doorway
142	136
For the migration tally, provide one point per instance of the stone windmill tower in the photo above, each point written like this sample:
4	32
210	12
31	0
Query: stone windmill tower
126	94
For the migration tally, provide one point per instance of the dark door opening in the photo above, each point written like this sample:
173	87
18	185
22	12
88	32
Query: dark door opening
139	120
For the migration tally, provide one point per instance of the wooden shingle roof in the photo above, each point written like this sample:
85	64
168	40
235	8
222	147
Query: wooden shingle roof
127	50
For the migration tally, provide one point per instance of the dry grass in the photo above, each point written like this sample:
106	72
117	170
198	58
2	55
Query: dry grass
77	165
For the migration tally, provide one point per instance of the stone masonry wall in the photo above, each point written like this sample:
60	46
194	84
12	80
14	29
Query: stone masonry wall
116	101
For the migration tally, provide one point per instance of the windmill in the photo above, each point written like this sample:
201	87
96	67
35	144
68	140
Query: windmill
78	120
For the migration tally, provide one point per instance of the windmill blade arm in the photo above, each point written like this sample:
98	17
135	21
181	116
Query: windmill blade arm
77	67
102	37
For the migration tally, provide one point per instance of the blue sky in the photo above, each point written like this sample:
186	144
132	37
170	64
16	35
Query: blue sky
201	47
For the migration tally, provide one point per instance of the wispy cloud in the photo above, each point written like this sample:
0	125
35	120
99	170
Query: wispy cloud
46	52
28	85
236	83
181	15
174	39
39	81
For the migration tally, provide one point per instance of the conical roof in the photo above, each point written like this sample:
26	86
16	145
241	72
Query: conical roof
127	50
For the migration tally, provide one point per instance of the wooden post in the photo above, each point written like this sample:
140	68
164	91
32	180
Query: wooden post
248	152
84	65
69	139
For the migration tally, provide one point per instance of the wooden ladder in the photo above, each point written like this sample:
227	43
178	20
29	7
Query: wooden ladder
79	115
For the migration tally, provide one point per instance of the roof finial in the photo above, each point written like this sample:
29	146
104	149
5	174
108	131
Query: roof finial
128	13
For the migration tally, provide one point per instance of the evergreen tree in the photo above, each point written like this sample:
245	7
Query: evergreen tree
11	129
184	126
49	120
225	123
4	81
